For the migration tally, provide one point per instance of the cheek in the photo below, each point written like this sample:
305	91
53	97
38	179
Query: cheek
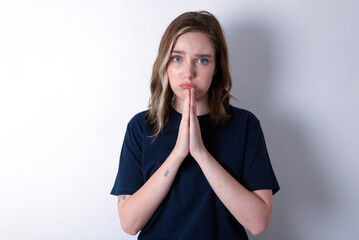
169	72
172	80
207	77
172	73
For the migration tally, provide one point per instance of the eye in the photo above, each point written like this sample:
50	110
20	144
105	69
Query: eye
177	59
202	61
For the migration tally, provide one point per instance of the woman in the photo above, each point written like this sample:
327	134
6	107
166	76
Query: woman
193	166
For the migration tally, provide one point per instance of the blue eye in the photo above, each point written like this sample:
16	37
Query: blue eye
202	61
177	59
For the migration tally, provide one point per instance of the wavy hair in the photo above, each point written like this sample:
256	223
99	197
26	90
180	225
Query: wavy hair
219	91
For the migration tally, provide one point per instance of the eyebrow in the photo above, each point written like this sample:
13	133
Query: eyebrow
197	55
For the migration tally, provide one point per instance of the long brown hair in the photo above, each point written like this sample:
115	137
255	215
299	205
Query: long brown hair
218	92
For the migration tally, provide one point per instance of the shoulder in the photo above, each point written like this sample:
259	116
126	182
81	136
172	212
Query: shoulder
138	120
242	116
136	127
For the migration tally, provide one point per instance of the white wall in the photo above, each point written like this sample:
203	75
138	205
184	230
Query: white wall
72	73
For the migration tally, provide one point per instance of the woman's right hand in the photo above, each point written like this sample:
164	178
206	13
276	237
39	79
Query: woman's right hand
181	149
136	210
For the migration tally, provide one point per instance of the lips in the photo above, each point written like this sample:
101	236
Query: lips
187	86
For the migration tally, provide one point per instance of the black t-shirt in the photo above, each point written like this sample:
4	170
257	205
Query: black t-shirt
191	209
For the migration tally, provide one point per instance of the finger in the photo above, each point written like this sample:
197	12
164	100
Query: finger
193	103
193	113
185	110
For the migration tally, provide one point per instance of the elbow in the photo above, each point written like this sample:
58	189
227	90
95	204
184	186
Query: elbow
260	223
258	231
259	228
129	229
128	225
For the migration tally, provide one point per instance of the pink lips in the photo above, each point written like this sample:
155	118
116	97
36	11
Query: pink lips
187	86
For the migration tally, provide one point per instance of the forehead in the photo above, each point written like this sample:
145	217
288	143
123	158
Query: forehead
194	42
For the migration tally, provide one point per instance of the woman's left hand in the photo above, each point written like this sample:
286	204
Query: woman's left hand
196	146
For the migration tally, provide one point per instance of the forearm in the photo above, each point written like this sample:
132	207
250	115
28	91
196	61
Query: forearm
248	208
136	211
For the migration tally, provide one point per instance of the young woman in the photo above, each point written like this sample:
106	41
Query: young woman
193	166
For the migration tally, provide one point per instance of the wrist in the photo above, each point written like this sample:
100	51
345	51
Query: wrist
176	156
201	155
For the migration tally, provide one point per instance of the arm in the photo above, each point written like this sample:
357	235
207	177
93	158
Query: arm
251	209
136	210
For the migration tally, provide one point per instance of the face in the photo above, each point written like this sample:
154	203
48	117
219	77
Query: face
192	65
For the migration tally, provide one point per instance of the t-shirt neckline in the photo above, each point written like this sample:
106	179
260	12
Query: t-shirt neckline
179	115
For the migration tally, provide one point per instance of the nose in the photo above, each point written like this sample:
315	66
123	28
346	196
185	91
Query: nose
189	71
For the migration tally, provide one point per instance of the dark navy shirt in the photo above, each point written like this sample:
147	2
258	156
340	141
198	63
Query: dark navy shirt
191	209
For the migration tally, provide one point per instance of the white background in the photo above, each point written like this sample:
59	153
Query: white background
74	72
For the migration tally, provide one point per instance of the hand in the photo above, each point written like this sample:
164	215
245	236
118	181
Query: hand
181	148
196	146
189	139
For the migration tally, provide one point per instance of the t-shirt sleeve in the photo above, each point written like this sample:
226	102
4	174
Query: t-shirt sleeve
257	169
129	176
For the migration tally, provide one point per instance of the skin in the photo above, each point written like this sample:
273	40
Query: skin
193	63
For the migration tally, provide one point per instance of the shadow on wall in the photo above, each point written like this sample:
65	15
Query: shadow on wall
303	193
